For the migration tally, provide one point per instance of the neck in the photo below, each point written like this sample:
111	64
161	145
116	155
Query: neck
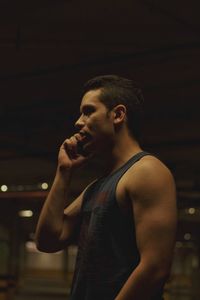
124	147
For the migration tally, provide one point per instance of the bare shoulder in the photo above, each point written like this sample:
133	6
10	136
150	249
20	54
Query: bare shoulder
148	175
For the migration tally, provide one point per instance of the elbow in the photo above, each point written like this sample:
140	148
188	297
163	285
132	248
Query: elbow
161	274
42	245
158	272
158	279
45	243
40	241
50	244
47	247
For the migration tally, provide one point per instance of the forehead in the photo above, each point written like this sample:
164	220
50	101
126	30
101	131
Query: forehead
91	98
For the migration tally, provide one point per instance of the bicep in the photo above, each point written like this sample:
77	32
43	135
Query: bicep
154	210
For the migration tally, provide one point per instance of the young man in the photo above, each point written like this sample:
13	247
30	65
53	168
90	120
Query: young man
125	220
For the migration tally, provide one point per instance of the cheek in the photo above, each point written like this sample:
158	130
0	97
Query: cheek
99	124
94	123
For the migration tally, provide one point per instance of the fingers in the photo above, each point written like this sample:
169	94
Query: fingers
70	145
69	156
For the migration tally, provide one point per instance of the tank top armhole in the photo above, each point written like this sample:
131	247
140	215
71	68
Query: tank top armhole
124	169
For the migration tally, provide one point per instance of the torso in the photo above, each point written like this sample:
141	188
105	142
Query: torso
107	241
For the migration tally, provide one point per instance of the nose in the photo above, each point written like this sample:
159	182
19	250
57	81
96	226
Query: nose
79	123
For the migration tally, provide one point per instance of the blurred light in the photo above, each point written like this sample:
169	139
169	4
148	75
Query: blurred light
191	210
195	262
179	244
4	188
30	246
44	186
187	236
25	213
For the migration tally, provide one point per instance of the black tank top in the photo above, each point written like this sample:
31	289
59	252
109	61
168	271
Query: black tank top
107	252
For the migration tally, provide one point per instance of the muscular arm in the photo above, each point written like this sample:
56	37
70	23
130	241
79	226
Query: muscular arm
152	192
58	219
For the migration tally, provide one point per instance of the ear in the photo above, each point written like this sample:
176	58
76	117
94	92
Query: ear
119	114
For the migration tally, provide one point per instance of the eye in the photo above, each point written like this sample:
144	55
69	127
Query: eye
87	111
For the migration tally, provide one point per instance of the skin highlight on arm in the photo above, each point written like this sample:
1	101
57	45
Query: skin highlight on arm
152	193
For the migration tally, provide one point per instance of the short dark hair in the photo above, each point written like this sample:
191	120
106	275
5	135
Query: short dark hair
118	90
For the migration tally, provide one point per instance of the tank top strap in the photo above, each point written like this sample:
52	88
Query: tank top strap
109	182
118	173
134	159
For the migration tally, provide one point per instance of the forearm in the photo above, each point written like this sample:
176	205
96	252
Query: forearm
51	219
143	284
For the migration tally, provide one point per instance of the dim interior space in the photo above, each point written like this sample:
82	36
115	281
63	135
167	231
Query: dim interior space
49	49
27	273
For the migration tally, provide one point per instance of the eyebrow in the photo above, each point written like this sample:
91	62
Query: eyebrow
86	106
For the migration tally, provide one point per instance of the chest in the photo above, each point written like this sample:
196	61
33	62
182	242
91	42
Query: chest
106	195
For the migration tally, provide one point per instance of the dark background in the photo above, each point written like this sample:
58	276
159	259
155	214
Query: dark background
48	49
